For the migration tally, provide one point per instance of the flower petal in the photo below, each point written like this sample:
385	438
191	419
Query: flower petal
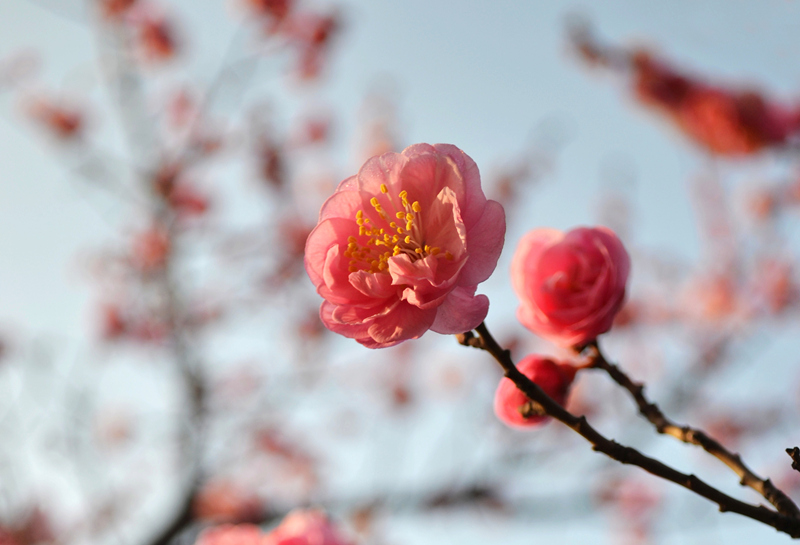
402	323
485	243
461	311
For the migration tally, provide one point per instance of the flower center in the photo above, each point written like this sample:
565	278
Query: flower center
390	238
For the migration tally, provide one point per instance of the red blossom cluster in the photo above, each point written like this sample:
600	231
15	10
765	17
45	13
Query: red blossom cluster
312	34
724	120
125	322
276	11
157	37
178	192
150	250
115	9
309	32
65	121
32	527
223	501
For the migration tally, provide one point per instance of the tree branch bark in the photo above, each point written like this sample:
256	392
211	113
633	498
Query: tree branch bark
694	436
621	453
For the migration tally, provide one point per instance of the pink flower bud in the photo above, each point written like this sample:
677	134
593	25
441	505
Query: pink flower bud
515	409
570	285
401	247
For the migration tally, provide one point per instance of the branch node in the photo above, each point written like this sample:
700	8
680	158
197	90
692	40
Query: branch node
794	453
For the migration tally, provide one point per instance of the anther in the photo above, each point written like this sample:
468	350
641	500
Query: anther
384	189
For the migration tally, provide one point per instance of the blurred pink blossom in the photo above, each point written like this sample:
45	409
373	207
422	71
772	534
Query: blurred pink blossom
230	534
305	527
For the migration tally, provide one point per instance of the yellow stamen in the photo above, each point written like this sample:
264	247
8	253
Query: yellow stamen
391	240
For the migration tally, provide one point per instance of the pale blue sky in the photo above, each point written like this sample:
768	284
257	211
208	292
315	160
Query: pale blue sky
480	75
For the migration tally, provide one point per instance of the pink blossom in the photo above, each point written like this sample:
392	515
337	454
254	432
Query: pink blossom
514	408
401	247
231	534
221	500
305	527
570	285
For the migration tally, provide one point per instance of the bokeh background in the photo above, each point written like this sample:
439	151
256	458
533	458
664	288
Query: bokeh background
100	441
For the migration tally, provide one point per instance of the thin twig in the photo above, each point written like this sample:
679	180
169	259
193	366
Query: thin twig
621	453
694	436
795	455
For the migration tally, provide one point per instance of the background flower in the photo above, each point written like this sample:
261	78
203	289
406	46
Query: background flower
305	527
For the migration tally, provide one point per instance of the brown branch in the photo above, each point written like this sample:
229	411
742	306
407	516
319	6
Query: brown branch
795	455
621	453
694	436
